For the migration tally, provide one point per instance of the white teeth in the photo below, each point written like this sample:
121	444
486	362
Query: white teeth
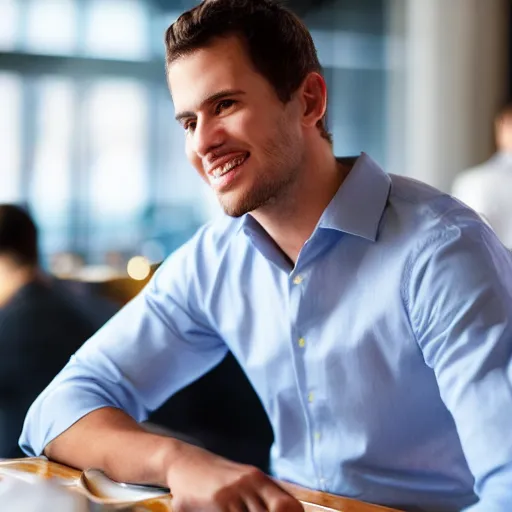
228	166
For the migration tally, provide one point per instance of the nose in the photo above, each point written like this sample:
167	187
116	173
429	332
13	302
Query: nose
208	135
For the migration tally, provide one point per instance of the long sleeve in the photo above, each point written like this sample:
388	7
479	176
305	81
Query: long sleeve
459	296
156	345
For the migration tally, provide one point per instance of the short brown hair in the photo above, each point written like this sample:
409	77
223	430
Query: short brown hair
18	235
279	44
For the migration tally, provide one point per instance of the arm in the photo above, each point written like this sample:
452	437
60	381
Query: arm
85	444
459	297
149	350
88	416
169	462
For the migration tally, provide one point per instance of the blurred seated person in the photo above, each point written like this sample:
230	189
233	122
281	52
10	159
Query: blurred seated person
487	188
41	325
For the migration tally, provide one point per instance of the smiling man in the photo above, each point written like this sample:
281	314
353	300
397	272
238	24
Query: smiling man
371	313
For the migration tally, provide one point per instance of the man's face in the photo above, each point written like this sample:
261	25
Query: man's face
240	137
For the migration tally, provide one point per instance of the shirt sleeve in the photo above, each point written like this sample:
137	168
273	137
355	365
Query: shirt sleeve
459	298
157	344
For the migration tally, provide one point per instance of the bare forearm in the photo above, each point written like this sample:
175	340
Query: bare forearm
111	440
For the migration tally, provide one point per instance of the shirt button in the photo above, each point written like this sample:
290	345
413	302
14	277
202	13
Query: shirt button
311	397
318	435
302	342
298	279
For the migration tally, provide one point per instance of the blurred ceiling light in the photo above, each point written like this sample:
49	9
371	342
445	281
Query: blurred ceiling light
138	268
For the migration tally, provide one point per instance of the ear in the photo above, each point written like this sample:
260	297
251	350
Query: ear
313	95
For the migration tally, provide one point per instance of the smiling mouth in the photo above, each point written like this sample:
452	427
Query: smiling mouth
220	171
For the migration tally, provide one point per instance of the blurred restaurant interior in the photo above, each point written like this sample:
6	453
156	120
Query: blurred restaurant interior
89	144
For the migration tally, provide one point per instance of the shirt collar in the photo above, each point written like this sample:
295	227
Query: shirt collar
357	206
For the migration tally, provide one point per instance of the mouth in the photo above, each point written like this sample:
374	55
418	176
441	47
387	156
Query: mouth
222	174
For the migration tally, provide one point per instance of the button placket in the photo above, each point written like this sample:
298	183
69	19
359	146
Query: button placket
297	284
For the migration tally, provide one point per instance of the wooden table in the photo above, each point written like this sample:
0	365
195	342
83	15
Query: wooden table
313	501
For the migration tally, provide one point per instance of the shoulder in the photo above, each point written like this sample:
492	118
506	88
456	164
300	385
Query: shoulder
197	262
217	235
51	311
438	230
450	245
10	319
211	240
21	321
426	209
21	306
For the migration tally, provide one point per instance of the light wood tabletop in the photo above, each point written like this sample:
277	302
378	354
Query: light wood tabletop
313	501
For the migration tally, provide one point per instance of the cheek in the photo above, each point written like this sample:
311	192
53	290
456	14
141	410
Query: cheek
193	158
250	121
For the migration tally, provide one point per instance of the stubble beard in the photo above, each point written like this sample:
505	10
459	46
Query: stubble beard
283	155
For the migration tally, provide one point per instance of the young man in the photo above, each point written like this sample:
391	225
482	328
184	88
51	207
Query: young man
372	314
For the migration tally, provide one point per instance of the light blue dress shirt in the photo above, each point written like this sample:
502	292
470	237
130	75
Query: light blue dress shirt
383	358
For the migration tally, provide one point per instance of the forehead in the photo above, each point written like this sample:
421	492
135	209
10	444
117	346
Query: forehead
222	65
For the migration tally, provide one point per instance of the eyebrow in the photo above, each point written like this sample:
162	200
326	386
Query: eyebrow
208	101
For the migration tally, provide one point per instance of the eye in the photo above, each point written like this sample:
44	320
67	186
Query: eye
223	105
189	126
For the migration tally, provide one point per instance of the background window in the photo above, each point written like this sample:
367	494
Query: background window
51	26
9	23
117	29
50	183
10	139
117	188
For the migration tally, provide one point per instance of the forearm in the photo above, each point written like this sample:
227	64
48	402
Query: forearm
111	440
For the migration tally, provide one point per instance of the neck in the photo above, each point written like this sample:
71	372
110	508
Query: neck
12	278
291	220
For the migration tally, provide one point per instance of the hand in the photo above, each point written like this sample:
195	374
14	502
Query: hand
202	481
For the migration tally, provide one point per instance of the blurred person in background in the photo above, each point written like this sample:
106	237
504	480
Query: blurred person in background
372	313
487	188
41	325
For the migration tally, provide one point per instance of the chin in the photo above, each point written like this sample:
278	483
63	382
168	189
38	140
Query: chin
234	210
245	200
232	204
